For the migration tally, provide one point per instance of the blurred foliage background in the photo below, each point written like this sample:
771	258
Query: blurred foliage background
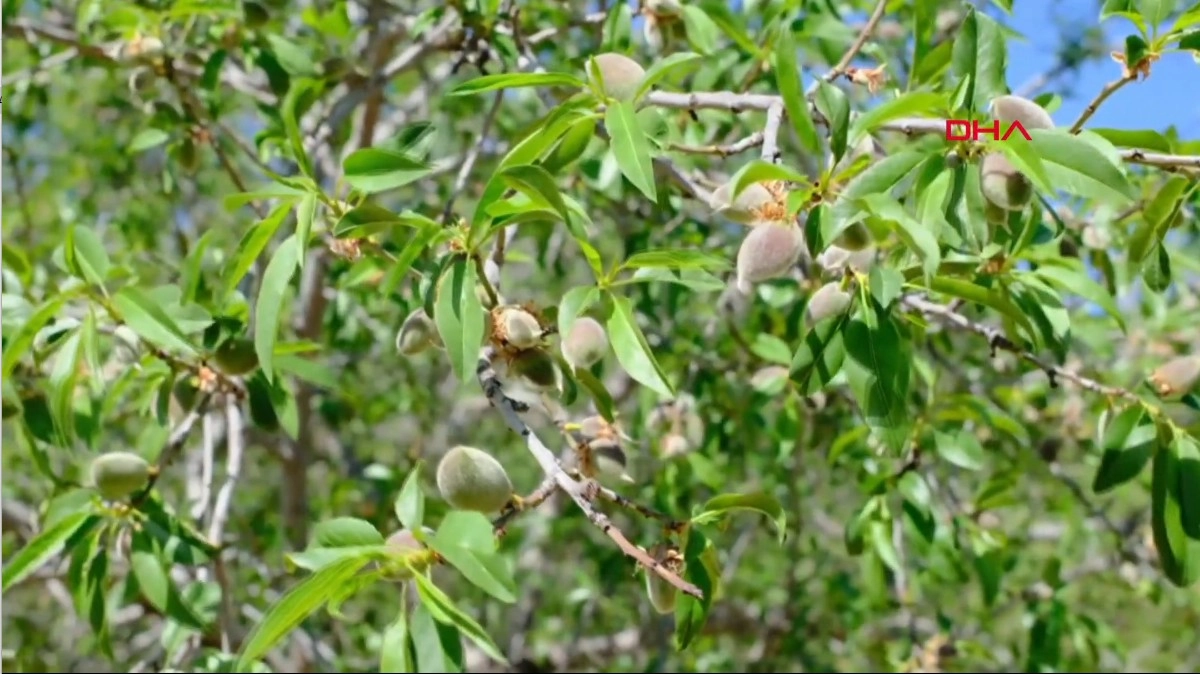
143	142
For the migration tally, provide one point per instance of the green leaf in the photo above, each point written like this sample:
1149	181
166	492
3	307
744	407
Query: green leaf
1178	554
676	259
881	178
690	613
630	147
1070	276
574	302
438	647
459	316
292	57
820	356
915	235
759	170
878	366
467	542
443	610
961	449
410	502
147	139
297	604
1156	219
18	345
1187	451
1078	167
574	143
43	547
371	170
719	506
633	352
1128	445
395	653
269	305
886	285
315	559
979	55
535	182
147	319
486	83
599	394
342	532
702	32
306	213
1191	40
157	587
832	103
299	96
663	67
1155	12
1141	139
369	219
908	104
85	255
789	81
251	246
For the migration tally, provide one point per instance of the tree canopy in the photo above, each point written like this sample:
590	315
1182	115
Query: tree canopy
673	335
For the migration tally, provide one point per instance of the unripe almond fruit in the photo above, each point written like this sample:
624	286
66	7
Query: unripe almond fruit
1003	185
829	300
119	474
1009	109
520	328
1177	376
662	594
585	343
621	74
769	251
417	333
236	356
994	214
653	34
855	238
744	208
536	369
471	479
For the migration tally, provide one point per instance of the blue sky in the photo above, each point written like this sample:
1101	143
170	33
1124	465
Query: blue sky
1168	97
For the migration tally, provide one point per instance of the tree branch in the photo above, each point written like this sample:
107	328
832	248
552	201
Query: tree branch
490	383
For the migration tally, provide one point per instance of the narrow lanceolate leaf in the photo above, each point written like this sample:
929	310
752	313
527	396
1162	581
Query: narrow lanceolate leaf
791	87
44	547
300	602
878	367
147	319
395	653
1178	553
19	344
444	610
833	104
1079	168
630	147
480	85
459	316
371	170
979	57
253	243
664	67
633	352
910	104
267	309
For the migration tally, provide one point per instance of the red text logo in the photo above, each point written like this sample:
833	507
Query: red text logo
962	129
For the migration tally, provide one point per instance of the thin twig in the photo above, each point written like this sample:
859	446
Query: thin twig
490	383
749	142
859	42
998	341
1108	90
